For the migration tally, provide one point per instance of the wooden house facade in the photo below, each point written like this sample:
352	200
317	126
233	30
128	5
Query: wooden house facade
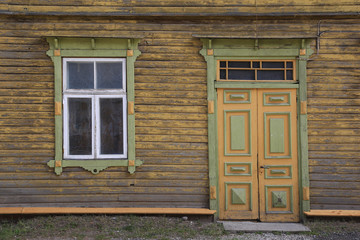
243	109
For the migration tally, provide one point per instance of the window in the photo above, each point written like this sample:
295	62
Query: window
258	70
94	98
94	103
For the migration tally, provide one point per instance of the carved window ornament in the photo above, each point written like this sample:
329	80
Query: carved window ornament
95	75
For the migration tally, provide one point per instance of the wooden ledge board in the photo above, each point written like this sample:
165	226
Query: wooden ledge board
69	210
333	213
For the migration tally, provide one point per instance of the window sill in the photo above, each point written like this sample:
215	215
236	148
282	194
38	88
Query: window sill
94	166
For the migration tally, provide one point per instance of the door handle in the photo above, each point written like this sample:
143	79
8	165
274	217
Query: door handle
265	167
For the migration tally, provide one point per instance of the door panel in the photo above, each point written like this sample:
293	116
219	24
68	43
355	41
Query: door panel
278	167
258	154
237	151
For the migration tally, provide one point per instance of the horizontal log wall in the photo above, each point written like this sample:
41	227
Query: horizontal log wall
334	129
180	7
171	117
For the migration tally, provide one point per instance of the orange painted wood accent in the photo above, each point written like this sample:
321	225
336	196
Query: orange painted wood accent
131	110
69	210
131	163
213	192
57	52
306	193
303	109
130	53
57	108
57	163
210	106
333	213
302	52
210	52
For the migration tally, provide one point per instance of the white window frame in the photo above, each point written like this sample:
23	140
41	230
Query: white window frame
95	95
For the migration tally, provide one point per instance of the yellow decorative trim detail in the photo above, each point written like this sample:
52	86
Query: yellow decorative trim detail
303	107
211	106
306	193
57	163
131	110
213	192
130	53
57	108
57	52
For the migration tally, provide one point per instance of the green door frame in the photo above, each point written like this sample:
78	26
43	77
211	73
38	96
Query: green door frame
298	49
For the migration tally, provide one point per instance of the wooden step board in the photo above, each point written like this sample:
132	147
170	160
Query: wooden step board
333	213
69	210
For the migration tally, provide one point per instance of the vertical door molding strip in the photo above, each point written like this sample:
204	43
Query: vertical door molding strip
93	47
216	48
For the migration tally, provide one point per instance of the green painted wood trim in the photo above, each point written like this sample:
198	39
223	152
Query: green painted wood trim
267	198
237	98
275	99
239	84
304	180
212	129
238	183
270	53
93	47
265	131
225	133
242	169
274	172
237	135
95	166
277	138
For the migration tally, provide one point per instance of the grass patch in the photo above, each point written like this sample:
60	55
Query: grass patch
101	227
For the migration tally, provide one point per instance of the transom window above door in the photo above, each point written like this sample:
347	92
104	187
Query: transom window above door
256	70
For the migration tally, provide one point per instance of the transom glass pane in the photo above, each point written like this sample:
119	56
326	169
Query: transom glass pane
109	75
80	126
241	74
273	64
111	126
80	75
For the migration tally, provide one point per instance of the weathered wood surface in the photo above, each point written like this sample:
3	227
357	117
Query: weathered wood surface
334	129
180	7
170	110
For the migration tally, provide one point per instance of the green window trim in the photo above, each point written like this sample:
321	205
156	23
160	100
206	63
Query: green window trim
217	48
61	47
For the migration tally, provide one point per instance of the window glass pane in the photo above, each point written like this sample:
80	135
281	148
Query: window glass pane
289	65
222	74
241	74
80	75
256	64
289	75
222	64
80	136
109	75
273	64
270	75
236	64
111	129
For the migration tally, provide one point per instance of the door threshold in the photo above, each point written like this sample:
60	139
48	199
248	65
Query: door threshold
247	226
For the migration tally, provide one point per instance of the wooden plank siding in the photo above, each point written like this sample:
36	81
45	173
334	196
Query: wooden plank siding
180	7
171	110
333	107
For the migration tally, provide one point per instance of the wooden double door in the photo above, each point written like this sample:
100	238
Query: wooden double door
258	157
